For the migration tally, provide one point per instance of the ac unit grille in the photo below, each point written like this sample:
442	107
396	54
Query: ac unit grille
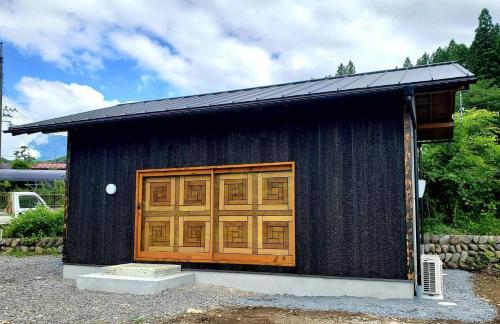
429	277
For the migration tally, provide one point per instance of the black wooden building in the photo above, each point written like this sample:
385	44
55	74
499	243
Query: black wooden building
315	177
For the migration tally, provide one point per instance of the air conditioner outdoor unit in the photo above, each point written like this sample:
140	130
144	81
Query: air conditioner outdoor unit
432	276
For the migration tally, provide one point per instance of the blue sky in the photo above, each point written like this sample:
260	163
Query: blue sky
64	57
119	79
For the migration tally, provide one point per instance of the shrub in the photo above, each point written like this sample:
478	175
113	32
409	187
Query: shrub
37	222
463	178
20	164
20	253
487	225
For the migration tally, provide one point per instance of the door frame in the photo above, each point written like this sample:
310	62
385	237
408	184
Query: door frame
211	257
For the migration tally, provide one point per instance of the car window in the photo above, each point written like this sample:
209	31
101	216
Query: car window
28	201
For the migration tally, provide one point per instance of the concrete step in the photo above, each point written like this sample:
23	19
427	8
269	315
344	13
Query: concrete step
133	284
148	270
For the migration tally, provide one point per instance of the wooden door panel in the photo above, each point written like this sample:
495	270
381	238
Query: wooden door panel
159	233
160	194
235	191
235	234
195	193
229	214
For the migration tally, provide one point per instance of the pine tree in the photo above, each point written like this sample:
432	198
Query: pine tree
424	60
440	55
350	68
407	64
341	70
484	52
452	52
458	52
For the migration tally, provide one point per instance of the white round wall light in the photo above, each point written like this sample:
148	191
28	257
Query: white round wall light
111	189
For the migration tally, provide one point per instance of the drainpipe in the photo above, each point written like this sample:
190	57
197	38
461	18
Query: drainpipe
417	236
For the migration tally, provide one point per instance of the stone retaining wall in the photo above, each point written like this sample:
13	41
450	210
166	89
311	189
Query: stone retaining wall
31	245
469	252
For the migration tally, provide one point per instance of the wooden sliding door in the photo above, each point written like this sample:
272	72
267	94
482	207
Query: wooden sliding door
227	214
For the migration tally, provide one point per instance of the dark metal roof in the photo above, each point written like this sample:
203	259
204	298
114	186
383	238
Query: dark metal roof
418	77
31	175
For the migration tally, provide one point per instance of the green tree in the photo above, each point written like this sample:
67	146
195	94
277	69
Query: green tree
407	64
24	159
484	52
346	69
463	191
452	52
24	154
341	70
350	68
20	164
484	94
5	186
463	176
424	60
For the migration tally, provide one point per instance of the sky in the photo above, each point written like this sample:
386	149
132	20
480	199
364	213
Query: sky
64	57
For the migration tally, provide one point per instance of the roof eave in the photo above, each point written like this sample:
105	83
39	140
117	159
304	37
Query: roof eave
60	127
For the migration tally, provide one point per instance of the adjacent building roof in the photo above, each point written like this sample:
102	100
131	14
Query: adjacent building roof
27	175
417	77
49	166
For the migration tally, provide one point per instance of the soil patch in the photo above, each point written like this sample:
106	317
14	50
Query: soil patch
487	286
254	315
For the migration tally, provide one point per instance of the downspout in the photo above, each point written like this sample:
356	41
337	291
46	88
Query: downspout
417	235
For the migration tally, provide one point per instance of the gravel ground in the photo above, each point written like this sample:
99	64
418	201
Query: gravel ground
32	290
458	289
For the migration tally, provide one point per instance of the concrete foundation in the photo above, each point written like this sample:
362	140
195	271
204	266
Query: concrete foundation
307	286
260	283
71	271
133	285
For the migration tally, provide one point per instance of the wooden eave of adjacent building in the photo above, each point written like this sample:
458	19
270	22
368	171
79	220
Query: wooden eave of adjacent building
434	111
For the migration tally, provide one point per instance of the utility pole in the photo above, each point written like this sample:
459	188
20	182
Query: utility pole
461	107
1	95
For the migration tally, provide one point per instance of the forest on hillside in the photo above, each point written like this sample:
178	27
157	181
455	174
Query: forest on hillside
463	177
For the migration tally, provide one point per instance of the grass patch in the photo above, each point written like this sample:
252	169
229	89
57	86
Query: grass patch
487	225
20	254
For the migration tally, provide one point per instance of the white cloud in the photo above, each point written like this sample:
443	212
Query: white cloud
42	99
205	46
92	62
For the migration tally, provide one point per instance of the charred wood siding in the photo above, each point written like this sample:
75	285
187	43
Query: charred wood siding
350	207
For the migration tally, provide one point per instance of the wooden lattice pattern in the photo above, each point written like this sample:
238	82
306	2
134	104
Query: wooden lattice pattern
274	193
235	191
159	233
160	193
235	215
274	235
235	234
194	234
194	193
